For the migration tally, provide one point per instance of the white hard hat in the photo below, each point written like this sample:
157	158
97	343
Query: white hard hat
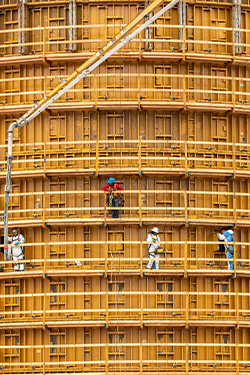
155	230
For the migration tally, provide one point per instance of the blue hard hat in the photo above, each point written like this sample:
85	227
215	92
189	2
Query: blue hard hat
111	180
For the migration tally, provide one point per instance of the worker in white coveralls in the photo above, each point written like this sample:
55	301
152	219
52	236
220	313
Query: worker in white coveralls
153	240
227	235
16	241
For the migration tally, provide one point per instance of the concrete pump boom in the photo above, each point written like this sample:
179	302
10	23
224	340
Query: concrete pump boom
108	50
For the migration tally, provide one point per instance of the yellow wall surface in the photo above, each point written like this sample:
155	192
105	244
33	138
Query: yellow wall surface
169	117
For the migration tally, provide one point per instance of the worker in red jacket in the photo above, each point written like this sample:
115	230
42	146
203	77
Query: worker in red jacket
113	197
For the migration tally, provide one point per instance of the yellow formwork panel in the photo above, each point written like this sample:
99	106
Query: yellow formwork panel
168	117
128	125
149	199
159	301
144	84
99	350
209	29
122	250
100	143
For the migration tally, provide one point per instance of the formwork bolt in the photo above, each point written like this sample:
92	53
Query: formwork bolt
66	50
242	215
106	147
67	366
35	100
209	50
67	214
105	97
35	165
243	101
245	365
35	216
67	148
33	51
141	97
3	103
242	166
175	263
33	316
242	150
67	165
174	147
212	314
172	49
67	315
173	213
209	99
33	367
210	148
211	264
174	365
1	317
174	314
67	264
214	365
35	149
173	97
1	368
106	163
244	315
1	217
243	264
67	98
2	54
210	214
174	164
210	165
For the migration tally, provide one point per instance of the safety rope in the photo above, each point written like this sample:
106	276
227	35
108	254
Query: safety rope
120	224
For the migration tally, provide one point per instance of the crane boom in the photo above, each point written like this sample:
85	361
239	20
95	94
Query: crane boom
119	40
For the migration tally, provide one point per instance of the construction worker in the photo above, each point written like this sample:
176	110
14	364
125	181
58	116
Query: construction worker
227	235
113	197
17	250
153	240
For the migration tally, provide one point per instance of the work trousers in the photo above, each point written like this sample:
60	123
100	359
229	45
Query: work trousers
115	203
19	266
230	263
155	260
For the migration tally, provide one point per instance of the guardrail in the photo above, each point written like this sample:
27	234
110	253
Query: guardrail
128	257
140	206
175	156
191	39
120	356
228	91
140	307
